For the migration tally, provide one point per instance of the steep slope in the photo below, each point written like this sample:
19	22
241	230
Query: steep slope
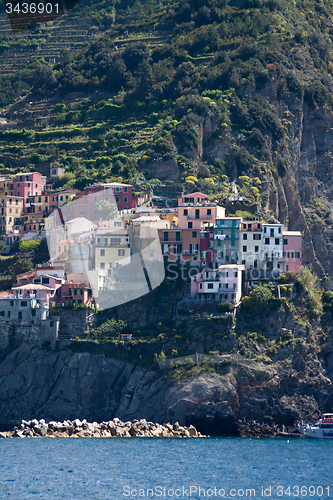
207	92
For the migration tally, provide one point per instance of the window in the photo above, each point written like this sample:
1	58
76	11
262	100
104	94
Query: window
194	248
297	255
194	234
277	241
257	236
244	236
197	213
244	248
121	252
166	236
102	252
102	266
24	303
185	211
16	202
285	241
264	229
189	225
33	312
117	199
51	324
125	189
10	314
256	249
20	315
125	199
117	190
46	199
266	241
236	275
200	286
37	280
272	232
178	249
288	255
2	314
209	211
210	286
177	236
28	184
279	230
45	281
292	255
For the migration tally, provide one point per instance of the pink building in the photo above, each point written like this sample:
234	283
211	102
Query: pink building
193	217
224	284
27	184
292	250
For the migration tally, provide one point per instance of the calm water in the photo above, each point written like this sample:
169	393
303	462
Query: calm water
126	468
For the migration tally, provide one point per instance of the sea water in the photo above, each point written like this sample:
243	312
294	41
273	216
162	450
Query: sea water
120	468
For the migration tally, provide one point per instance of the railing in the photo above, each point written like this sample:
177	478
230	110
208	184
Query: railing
201	217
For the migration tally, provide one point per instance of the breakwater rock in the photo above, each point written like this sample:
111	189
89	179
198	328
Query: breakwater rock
112	428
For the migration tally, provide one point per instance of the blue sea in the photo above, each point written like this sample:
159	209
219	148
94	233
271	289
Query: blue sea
120	468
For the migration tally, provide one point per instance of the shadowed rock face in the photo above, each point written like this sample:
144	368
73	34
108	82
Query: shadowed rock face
61	385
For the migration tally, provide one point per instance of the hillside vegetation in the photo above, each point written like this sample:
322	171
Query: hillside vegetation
194	92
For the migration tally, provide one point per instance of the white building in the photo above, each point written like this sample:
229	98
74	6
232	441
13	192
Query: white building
272	248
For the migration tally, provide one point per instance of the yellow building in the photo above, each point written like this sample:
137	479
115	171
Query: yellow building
112	250
11	208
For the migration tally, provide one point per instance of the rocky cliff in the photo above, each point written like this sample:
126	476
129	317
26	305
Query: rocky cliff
295	383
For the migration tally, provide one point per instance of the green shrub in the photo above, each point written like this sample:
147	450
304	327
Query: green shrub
225	307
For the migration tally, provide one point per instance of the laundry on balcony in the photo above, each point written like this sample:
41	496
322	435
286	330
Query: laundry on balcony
219	236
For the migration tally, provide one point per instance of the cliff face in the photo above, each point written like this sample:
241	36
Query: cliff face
63	384
308	175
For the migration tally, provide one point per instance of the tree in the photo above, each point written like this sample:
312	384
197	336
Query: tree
106	210
28	245
44	75
2	246
261	296
111	328
21	266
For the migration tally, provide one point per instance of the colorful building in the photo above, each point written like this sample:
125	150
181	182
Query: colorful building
272	249
112	192
250	244
223	284
292	250
226	240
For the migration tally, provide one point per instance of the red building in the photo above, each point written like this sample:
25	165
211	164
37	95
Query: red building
72	294
105	191
207	246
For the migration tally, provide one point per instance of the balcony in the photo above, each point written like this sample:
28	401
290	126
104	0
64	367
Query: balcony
170	241
202	217
188	252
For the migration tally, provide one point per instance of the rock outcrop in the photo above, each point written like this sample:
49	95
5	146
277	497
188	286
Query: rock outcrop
112	428
63	384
